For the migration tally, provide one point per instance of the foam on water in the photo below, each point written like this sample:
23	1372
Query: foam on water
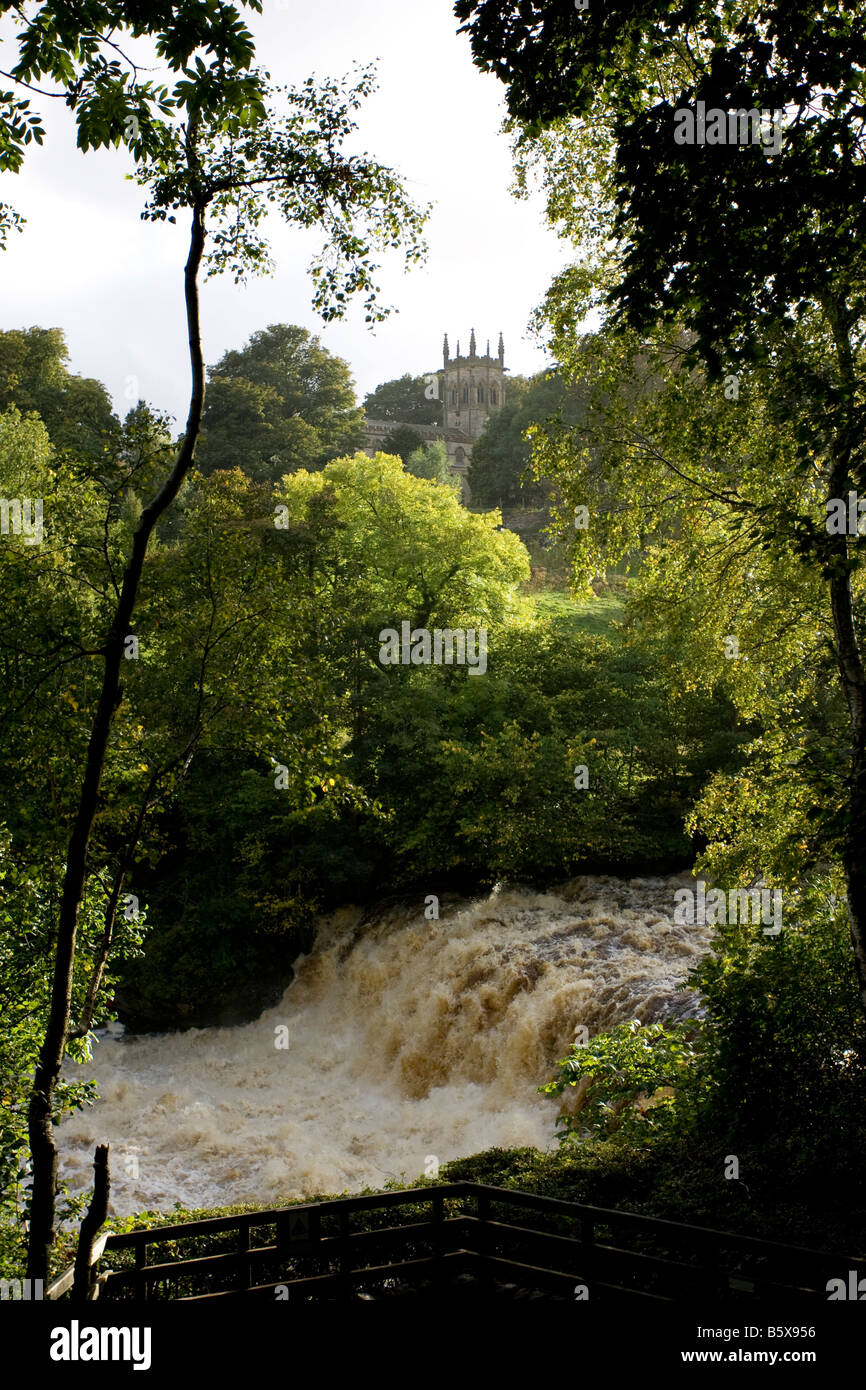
407	1039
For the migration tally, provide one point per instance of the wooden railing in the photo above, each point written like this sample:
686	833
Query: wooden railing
426	1238
63	1283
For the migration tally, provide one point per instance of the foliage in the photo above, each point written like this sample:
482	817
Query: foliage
403	441
784	1032
76	410
686	224
215	150
626	1078
431	461
740	268
737	240
727	602
405	400
773	1071
230	901
27	909
500	472
499	798
291	158
365	546
77	50
300	610
280	403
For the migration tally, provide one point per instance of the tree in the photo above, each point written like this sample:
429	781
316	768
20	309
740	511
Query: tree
217	151
407	399
280	403
405	547
33	376
77	49
501	456
500	470
760	258
402	441
431	461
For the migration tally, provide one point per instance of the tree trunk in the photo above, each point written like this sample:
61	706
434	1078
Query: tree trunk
853	678
83	1283
849	657
42	1146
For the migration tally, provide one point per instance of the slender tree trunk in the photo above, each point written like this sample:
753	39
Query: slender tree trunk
849	656
848	651
853	678
43	1149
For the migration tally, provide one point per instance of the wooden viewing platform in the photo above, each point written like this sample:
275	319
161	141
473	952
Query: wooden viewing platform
453	1240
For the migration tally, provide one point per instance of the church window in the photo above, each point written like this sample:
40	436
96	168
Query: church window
481	395
453	397
493	395
465	395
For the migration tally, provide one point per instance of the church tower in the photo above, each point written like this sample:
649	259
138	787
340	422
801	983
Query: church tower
474	387
473	390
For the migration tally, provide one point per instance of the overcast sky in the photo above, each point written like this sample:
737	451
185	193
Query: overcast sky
87	263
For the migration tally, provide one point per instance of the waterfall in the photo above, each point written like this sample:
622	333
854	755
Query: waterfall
409	1042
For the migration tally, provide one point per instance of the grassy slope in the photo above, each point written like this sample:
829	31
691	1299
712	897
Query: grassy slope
596	617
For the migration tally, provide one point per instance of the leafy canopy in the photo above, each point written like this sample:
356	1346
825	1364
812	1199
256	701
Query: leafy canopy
281	402
406	400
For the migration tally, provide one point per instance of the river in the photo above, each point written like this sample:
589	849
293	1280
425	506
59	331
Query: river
410	1042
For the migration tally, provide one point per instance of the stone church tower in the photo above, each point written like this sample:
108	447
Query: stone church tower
474	387
471	389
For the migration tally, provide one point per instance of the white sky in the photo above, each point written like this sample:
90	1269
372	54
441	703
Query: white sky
87	263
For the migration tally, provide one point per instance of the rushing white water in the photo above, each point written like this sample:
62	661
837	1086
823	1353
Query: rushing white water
409	1040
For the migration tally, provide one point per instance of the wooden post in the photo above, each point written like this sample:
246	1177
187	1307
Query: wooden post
141	1286
83	1283
345	1266
587	1246
246	1268
439	1240
484	1244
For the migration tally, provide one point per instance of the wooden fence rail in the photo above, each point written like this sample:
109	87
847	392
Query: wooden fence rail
61	1286
426	1238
